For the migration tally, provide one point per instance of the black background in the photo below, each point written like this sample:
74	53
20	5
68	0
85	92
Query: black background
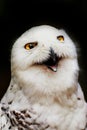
18	16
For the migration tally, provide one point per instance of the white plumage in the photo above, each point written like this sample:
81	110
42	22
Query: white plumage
44	93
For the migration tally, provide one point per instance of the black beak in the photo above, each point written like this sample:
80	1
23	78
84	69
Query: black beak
52	61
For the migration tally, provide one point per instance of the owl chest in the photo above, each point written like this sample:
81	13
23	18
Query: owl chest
53	116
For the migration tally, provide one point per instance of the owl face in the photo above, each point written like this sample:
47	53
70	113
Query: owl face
44	57
42	46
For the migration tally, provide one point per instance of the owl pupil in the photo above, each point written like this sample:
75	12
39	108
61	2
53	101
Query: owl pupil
31	46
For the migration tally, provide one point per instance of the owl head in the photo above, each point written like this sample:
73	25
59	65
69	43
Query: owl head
44	57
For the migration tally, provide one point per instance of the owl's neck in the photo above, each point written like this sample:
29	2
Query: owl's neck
20	95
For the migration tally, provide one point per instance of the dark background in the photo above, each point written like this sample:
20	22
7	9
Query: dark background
17	16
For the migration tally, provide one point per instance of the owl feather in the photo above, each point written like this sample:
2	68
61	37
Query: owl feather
44	92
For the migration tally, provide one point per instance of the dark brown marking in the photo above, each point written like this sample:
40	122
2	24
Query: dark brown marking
10	102
9	127
79	98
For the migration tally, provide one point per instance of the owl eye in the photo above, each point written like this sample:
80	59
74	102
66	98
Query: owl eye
30	45
60	38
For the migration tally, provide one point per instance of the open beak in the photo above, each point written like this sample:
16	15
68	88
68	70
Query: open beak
52	61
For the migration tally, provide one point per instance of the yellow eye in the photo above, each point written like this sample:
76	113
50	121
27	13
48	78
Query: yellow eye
60	38
30	45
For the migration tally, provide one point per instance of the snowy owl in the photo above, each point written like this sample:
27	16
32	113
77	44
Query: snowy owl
44	93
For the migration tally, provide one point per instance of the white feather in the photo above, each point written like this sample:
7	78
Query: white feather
55	98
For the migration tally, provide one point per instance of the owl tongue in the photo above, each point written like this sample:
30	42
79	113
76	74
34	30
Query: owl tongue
53	68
